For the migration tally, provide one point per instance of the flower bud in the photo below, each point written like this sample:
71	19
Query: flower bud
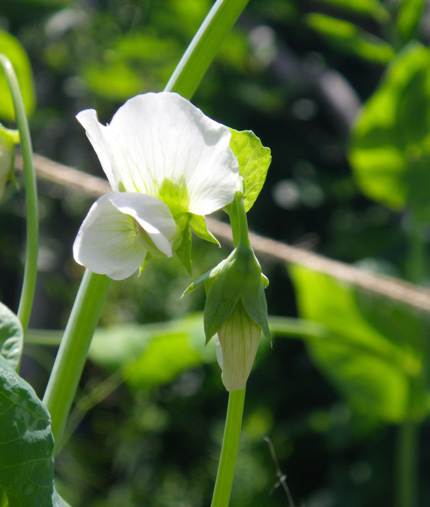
236	310
237	343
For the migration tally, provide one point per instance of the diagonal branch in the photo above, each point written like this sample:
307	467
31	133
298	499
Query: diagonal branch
393	288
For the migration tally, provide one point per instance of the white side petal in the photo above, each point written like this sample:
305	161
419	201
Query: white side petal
164	137
98	136
106	242
239	338
151	214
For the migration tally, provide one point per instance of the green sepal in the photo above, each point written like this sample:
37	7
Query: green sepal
254	161
200	228
256	307
144	263
222	297
184	249
205	279
264	280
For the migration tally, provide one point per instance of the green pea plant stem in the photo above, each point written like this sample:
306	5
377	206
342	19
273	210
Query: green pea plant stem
409	429
32	239
94	288
236	399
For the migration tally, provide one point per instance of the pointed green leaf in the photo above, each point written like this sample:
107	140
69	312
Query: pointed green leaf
184	250
26	463
373	349
254	161
372	8
351	39
11	336
10	47
200	228
390	144
408	18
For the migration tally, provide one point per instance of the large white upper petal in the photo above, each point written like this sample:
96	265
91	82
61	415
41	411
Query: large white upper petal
108	240
158	137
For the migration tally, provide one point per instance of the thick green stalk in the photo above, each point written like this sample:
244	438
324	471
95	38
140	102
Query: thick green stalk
30	270
77	338
73	350
227	463
204	46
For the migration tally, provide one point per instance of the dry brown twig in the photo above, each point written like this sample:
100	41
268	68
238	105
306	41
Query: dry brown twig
392	288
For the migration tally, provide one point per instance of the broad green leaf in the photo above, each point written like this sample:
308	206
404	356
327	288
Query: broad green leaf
152	355
112	81
374	350
11	336
351	39
390	143
10	47
254	161
372	8
26	463
408	18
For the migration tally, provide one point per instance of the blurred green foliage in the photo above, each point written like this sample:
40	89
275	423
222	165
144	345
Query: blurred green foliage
296	73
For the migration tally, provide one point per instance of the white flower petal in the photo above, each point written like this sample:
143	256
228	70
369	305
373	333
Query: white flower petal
98	136
238	339
157	139
109	242
151	214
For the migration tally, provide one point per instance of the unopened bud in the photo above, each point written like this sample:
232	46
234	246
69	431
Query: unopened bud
237	344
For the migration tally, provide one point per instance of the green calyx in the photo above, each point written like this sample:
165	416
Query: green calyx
236	279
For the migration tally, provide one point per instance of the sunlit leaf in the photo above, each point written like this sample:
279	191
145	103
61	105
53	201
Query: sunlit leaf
351	39
409	17
10	47
254	161
390	145
372	8
374	350
113	81
26	463
11	336
155	354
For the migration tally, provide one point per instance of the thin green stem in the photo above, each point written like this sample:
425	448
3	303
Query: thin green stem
408	431
204	46
230	445
242	222
73	350
93	291
30	270
407	463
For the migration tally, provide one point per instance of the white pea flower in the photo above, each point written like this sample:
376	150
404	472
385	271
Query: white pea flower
169	165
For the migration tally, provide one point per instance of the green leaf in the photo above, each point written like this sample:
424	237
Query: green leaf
152	355
390	143
26	463
254	161
374	350
10	47
351	39
112	81
372	8
200	228
408	18
11	336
